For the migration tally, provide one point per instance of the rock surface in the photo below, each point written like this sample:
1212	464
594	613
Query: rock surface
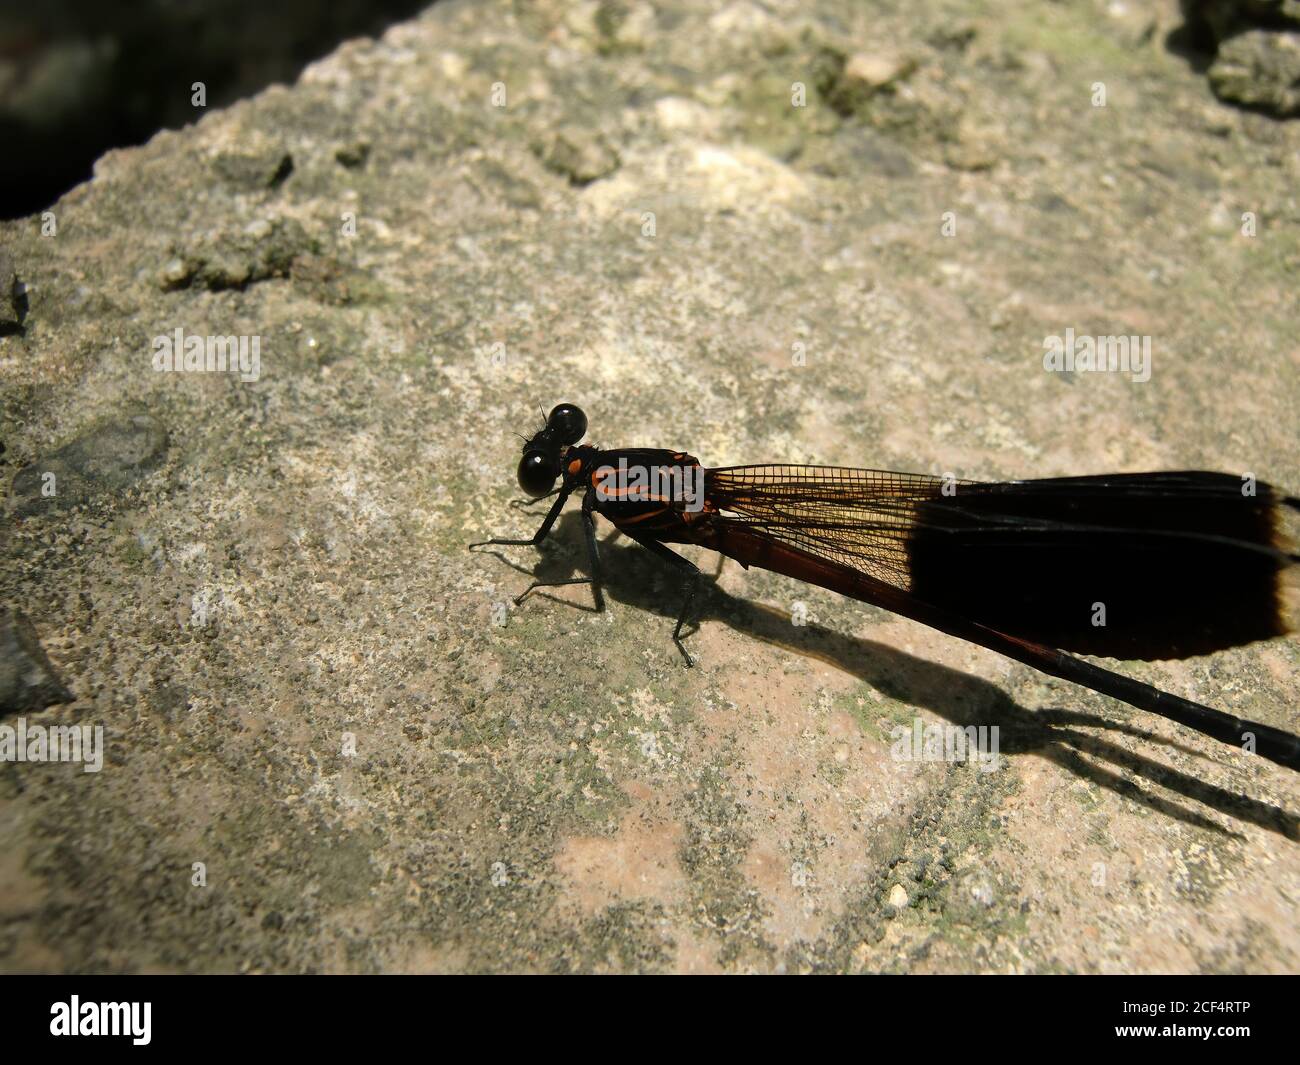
334	743
27	680
1260	69
1255	45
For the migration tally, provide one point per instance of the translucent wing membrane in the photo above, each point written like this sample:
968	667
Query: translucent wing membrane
858	518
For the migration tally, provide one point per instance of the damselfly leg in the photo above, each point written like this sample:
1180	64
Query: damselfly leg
593	555
692	574
538	536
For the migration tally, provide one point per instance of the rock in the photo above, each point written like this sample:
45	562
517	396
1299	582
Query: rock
13	298
28	682
976	147
875	70
1255	46
581	155
758	278
623	27
741	18
1260	70
106	460
954	36
858	150
236	259
849	83
353	155
254	170
1132	24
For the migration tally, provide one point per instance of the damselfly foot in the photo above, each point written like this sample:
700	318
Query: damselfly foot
555	584
690	662
532	542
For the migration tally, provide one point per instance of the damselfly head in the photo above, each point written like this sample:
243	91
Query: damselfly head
540	466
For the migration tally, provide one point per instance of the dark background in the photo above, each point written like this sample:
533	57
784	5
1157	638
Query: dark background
78	77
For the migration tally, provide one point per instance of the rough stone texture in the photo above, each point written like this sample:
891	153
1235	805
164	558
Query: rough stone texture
106	459
27	680
13	298
648	228
1255	51
1260	69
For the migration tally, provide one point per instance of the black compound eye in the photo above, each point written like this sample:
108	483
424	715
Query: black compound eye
537	473
568	423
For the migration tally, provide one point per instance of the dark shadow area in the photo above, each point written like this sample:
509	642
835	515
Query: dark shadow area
633	578
78	77
1193	45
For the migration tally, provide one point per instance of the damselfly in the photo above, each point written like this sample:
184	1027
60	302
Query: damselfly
1134	565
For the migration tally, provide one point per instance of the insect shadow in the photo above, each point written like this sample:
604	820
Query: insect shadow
632	577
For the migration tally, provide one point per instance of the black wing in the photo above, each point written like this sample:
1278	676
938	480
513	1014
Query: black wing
1147	565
